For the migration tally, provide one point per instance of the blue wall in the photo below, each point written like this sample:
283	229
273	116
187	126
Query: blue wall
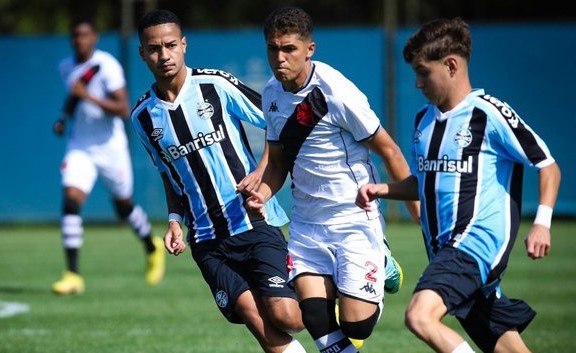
532	67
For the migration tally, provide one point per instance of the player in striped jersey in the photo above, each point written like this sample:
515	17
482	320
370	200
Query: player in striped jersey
97	146
190	122
321	130
468	156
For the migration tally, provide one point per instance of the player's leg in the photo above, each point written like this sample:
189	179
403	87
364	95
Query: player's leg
78	178
511	342
448	285
495	322
423	318
270	336
268	260
224	268
312	258
116	171
360	258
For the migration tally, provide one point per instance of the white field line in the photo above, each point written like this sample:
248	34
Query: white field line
9	309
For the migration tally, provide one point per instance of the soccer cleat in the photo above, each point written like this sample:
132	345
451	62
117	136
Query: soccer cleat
356	343
394	275
155	263
71	283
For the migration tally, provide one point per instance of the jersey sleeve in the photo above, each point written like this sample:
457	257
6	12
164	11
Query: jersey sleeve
357	116
515	136
113	74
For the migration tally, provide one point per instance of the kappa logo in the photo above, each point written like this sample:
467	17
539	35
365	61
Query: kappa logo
368	288
276	282
157	134
273	107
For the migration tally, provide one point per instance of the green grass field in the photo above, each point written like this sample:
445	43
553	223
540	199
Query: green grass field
120	314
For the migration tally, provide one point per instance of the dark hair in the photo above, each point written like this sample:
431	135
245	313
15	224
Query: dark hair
287	20
439	38
81	21
157	17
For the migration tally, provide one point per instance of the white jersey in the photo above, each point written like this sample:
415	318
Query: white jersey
90	125
321	128
97	143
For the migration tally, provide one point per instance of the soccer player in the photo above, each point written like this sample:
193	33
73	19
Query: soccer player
468	156
321	130
190	122
97	146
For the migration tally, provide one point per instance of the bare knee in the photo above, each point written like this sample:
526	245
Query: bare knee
416	321
284	313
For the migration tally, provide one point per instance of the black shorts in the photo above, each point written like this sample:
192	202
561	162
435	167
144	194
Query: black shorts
455	276
254	260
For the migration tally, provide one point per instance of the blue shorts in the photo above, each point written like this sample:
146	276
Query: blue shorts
253	260
455	276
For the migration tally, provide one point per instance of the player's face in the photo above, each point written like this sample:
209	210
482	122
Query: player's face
84	40
162	47
433	79
289	58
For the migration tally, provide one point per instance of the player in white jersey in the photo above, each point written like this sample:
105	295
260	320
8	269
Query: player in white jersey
97	146
468	155
321	130
191	124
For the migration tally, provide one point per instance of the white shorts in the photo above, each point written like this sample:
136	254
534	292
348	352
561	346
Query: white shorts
80	169
351	253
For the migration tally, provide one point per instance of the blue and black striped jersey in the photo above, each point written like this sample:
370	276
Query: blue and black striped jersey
469	163
199	142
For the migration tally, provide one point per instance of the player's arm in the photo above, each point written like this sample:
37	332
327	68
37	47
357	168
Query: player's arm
396	166
115	103
173	238
274	177
406	189
538	239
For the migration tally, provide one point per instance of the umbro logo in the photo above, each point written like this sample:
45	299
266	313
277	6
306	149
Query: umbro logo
273	107
276	282
157	134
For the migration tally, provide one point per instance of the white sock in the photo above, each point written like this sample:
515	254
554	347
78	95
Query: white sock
294	347
463	347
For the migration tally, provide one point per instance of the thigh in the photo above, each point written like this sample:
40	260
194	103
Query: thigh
263	254
455	276
223	277
115	168
78	170
360	258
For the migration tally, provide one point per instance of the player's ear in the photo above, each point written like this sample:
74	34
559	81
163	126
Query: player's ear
451	64
311	49
183	40
141	52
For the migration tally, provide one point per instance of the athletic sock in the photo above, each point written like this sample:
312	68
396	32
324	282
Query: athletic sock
463	347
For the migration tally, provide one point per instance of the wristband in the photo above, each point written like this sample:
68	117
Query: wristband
543	216
174	217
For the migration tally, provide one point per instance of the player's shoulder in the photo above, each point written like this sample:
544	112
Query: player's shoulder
215	76
494	107
140	104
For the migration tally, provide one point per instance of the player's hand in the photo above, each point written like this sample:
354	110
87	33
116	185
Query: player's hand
59	127
79	90
173	239
538	241
366	194
249	183
255	204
